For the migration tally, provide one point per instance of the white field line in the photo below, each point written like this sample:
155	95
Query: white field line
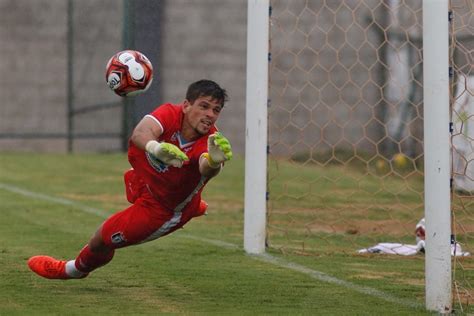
320	276
57	200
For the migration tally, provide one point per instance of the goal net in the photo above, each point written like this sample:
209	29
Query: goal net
345	128
462	141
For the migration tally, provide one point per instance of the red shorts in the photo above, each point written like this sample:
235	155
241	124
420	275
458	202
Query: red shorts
145	220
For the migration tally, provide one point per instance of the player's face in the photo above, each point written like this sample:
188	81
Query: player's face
200	115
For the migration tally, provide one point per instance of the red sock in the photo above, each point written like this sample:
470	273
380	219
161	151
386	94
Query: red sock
88	261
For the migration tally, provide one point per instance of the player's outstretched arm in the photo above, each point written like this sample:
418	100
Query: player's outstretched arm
145	137
147	129
219	150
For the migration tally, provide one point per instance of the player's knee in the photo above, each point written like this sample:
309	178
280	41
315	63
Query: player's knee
96	244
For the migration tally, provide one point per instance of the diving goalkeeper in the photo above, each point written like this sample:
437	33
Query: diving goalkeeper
173	151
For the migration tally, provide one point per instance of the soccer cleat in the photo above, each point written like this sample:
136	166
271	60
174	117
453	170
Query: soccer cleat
48	267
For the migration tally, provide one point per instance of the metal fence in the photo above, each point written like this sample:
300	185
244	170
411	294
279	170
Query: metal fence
56	98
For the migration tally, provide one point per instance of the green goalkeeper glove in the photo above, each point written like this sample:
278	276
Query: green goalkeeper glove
219	149
167	153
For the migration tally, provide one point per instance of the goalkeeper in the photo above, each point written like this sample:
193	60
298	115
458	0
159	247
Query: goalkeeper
174	151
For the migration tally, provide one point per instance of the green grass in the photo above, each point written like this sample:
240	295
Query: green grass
182	273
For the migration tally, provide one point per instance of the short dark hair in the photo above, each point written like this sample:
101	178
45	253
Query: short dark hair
205	88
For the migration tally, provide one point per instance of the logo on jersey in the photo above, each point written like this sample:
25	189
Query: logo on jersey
175	136
157	164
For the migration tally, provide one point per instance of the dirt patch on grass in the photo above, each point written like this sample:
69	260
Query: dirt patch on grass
357	223
379	227
412	281
392	227
224	206
375	275
396	277
147	297
464	296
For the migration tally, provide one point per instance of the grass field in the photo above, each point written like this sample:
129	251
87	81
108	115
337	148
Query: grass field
51	204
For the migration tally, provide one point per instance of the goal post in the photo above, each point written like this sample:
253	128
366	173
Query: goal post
256	127
437	150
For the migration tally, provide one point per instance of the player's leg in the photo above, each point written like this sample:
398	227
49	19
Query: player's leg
94	255
129	227
144	221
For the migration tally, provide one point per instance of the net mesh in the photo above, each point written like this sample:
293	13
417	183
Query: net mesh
346	126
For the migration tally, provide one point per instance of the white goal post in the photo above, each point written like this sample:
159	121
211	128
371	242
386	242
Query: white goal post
437	150
256	126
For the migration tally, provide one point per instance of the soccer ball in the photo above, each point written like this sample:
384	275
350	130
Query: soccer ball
129	73
400	161
420	230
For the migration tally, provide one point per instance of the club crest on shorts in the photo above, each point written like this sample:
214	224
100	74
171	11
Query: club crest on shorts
117	238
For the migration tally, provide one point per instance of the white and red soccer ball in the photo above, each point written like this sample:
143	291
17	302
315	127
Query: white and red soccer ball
420	230
129	73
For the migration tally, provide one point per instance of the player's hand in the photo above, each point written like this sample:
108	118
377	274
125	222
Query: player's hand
167	153
219	149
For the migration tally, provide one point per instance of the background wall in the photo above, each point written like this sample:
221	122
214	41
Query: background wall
186	40
207	39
